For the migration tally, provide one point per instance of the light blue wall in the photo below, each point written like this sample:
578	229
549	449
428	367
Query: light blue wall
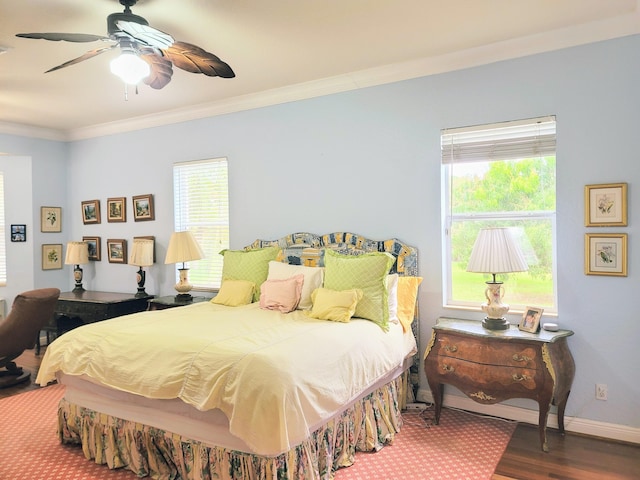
368	161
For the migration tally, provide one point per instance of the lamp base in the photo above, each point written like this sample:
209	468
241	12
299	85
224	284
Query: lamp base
184	298
141	293
495	323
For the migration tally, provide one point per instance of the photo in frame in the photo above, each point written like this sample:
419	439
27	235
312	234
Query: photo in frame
91	212
605	254
51	256
18	233
116	209
531	319
117	250
94	248
143	208
605	205
50	219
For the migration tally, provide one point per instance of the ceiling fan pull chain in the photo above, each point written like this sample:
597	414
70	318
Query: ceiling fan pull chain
126	93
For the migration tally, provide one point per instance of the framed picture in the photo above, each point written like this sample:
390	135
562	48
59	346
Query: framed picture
91	211
531	319
52	256
18	233
116	209
605	205
50	219
117	250
605	254
94	248
143	208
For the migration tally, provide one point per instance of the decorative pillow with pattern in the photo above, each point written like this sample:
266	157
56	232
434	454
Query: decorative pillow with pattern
250	265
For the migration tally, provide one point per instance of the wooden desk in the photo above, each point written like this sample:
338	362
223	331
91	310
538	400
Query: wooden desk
490	366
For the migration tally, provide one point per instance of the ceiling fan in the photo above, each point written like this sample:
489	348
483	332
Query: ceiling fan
138	41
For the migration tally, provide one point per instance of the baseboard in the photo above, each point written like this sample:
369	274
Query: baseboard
611	431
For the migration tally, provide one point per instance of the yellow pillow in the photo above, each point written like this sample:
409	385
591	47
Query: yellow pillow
234	293
407	296
338	306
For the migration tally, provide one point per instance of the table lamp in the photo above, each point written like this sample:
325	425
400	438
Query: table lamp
141	256
183	247
495	251
77	254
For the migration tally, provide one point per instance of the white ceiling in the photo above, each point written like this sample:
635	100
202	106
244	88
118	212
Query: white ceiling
280	50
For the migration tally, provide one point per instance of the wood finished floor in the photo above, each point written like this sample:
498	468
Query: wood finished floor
571	457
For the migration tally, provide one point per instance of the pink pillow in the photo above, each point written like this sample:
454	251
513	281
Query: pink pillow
283	294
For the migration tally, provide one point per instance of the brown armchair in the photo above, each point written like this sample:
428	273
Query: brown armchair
18	331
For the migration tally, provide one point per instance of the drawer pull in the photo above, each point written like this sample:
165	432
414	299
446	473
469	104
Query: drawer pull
447	368
451	348
520	358
518	377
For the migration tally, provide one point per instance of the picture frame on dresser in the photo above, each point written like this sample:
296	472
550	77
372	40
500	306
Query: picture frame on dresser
605	205
605	254
90	211
94	248
531	319
116	209
117	250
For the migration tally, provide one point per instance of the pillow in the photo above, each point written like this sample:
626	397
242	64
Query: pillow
407	296
250	265
234	293
313	277
392	297
338	306
283	295
367	272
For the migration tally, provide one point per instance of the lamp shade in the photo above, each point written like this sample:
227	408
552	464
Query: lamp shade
183	247
495	251
130	67
77	253
142	252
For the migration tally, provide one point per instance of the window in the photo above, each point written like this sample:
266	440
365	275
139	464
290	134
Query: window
3	249
201	203
500	175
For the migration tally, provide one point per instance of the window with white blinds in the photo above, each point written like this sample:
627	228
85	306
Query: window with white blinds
3	246
201	204
500	175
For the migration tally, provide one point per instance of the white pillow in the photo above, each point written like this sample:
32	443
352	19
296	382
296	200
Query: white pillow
313	277
392	297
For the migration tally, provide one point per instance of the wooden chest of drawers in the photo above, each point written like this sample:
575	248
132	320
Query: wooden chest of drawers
491	366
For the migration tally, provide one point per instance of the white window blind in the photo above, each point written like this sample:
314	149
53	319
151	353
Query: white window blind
503	141
201	203
3	247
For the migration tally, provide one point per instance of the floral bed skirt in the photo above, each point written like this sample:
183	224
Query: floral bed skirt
367	425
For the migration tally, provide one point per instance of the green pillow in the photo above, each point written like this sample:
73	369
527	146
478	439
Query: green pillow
249	265
366	272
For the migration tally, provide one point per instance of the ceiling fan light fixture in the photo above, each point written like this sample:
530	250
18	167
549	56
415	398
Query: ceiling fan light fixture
130	68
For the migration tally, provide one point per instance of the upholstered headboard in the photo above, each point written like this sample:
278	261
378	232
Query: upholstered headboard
308	249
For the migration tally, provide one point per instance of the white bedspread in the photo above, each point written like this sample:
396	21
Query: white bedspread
276	376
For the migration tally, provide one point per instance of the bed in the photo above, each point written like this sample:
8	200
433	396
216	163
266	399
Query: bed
306	355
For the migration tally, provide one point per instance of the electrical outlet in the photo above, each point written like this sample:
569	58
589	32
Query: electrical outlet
601	391
416	407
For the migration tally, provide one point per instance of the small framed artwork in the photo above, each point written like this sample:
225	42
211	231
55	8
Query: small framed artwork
143	208
18	233
94	248
91	211
531	319
51	256
50	219
605	254
116	209
117	250
605	205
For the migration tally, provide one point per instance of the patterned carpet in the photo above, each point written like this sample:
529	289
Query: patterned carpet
463	446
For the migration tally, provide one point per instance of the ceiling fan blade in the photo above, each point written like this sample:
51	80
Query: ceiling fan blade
161	70
146	34
86	56
67	37
196	60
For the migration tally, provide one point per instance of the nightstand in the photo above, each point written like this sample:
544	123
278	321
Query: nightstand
490	366
170	301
